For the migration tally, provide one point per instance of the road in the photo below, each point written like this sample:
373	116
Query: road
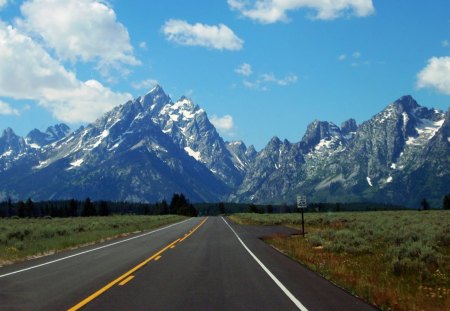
199	264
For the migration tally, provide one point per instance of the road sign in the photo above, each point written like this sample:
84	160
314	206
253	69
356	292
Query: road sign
301	201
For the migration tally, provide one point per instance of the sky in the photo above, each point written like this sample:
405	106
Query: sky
259	68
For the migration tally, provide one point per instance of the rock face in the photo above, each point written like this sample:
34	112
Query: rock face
151	147
399	156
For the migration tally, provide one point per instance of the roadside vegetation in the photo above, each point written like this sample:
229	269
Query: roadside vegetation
24	238
396	260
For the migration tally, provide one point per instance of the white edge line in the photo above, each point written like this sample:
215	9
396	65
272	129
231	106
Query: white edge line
273	277
91	250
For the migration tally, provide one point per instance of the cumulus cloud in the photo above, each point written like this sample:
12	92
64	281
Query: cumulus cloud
436	75
223	124
218	37
6	109
244	69
272	11
445	43
145	84
85	30
27	71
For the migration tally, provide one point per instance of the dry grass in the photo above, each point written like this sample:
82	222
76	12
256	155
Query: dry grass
395	260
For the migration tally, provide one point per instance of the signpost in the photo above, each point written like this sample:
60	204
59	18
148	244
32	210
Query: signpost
301	204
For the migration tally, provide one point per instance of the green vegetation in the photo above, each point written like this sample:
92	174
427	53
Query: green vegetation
24	238
397	260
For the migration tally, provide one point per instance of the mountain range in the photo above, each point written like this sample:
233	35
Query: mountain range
148	148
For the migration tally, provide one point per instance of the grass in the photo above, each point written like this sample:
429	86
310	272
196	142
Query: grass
395	260
22	239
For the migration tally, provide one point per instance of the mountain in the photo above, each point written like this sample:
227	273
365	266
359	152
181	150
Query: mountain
399	156
124	155
36	138
150	147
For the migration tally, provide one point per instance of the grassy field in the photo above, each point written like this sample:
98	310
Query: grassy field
396	260
27	238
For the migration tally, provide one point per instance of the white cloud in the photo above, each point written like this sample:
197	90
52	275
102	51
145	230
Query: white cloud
143	45
3	3
244	69
211	36
272	11
223	124
6	109
356	54
436	75
266	79
145	84
27	71
270	77
85	30
342	57
445	43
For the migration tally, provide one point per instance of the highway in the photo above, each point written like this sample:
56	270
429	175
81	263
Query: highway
199	264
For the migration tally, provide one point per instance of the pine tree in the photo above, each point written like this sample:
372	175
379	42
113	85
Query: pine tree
72	208
29	208
21	209
425	205
103	209
446	202
221	208
88	208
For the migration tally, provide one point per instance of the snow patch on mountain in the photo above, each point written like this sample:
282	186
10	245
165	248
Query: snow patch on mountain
195	154
76	164
426	131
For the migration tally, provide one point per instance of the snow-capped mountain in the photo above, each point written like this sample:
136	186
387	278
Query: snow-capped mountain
399	156
151	147
36	138
128	154
189	127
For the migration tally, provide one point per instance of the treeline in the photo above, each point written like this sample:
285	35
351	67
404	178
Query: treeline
179	205
230	208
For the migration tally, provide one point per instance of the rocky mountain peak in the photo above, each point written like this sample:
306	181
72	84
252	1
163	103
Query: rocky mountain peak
406	104
8	132
348	127
317	131
156	98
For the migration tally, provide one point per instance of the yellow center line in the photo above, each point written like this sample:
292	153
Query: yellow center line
130	272
157	258
128	279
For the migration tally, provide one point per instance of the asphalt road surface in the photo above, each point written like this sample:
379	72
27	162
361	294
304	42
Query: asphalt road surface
199	264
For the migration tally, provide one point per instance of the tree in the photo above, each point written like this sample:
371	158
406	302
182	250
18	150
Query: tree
269	209
446	202
29	207
21	209
221	208
88	208
103	209
181	206
72	208
425	205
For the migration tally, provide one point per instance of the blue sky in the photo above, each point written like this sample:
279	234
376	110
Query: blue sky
259	68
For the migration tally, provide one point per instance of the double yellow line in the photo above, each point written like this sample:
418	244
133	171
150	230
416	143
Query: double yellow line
126	277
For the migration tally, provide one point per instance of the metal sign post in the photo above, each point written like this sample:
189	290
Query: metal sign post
301	204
